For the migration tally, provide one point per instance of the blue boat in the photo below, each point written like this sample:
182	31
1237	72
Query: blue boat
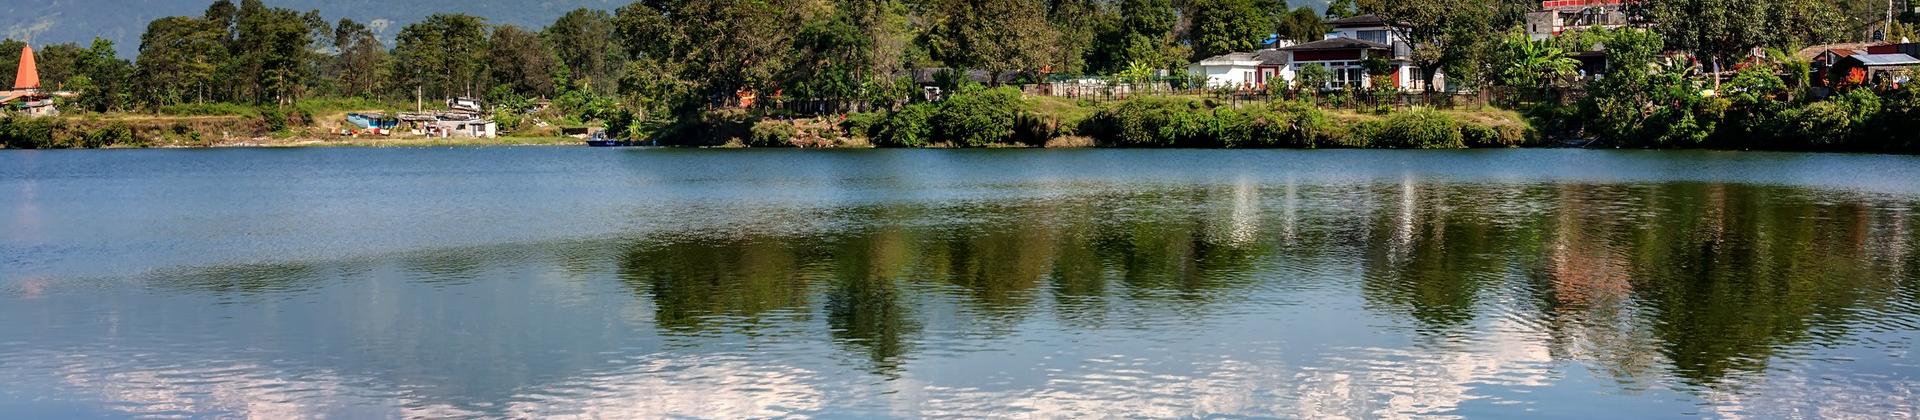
599	139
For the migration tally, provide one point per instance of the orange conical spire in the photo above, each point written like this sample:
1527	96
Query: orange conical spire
29	75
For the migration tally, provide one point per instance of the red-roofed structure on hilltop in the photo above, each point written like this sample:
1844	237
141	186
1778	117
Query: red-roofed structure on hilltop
26	96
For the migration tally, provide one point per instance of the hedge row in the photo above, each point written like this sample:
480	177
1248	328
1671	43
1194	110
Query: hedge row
1001	116
54	133
1183	122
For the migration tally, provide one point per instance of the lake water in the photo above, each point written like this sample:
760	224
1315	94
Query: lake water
531	282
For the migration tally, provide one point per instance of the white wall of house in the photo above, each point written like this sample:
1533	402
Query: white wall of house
1352	74
1227	74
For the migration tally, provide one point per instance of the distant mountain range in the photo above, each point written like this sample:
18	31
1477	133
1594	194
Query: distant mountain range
59	21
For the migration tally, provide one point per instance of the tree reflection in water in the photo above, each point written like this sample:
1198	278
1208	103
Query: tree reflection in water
1705	279
1705	284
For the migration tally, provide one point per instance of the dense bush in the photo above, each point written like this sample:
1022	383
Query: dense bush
115	134
1894	128
28	133
1418	129
709	128
979	117
1311	126
772	134
1154	122
58	133
862	124
910	126
1493	135
1176	122
1360	134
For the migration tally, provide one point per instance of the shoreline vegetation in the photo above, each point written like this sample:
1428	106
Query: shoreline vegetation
895	73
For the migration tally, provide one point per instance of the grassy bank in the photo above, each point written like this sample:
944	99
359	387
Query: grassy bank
311	123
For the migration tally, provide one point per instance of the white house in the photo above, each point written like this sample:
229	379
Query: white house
1376	38
1234	70
1250	71
1352	41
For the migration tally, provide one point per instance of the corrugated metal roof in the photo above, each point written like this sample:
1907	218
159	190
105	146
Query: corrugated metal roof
1879	60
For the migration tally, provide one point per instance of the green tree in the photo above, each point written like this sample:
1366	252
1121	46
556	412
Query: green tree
1226	26
178	59
9	60
358	60
442	56
1646	100
1303	25
584	41
1342	9
830	62
270	55
1459	37
1725	30
1527	63
1081	25
521	61
993	35
103	80
57	63
1145	35
719	46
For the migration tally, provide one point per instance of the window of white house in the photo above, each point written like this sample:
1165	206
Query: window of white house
1352	77
1375	36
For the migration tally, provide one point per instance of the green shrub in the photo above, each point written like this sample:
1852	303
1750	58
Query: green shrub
1492	135
1361	135
772	134
862	124
111	135
1553	120
1253	127
27	133
1818	124
210	109
274	119
910	126
1309	127
1892	129
979	118
709	128
1419	129
1152	122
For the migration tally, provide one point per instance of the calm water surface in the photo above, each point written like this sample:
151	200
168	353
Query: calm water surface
507	282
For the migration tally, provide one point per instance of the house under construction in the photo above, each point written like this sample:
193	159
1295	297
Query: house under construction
464	117
1556	16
